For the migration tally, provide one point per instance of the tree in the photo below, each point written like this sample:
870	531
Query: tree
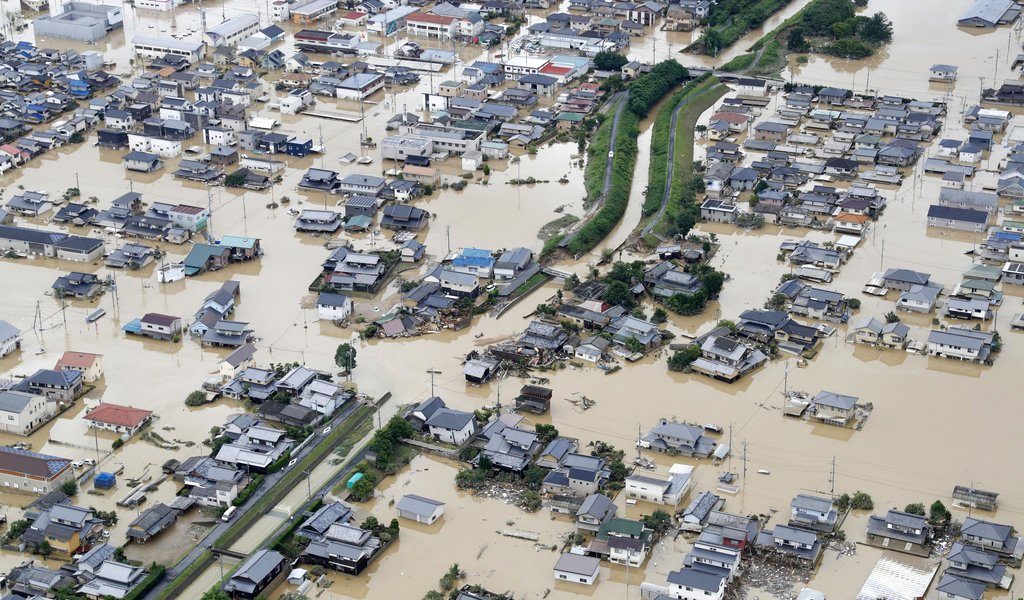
216	594
634	345
681	360
877	29
796	42
236	179
571	282
712	41
433	595
659	316
485	464
618	293
712	283
916	508
609	61
892	317
345	356
659	521
776	302
546	432
69	487
362	490
370	523
937	513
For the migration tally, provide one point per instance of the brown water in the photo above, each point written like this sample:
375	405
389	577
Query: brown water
909	451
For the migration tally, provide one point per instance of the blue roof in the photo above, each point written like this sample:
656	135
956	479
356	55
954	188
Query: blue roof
234	241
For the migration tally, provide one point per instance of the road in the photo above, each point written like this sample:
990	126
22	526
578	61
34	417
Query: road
620	98
271	481
671	163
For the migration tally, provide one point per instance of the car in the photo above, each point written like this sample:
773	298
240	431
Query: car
611	154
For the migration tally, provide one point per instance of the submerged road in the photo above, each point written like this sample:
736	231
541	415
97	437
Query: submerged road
271	481
620	98
667	193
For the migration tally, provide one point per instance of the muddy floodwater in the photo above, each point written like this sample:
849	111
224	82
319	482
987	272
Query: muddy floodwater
936	423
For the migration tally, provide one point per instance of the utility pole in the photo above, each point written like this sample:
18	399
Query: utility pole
448	235
432	371
744	460
832	479
209	209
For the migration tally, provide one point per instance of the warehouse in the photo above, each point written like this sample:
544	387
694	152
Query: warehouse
80	21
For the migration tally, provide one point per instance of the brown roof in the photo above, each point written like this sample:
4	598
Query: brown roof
159	319
76	360
32	463
187	209
115	414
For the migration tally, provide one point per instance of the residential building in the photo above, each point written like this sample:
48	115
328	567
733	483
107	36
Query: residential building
813	512
961	219
255	575
900	531
577	568
833	408
10	338
994	537
451	426
669	491
120	419
151	522
961	343
333	307
676	438
21	413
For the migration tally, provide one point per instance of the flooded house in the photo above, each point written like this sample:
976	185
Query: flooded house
800	544
814	513
77	285
65	528
210	483
833	408
126	420
668	491
113	579
451	426
961	343
675	438
726	358
900	531
21	413
994	537
258	573
622	541
593	512
971	563
420	509
10	338
61	387
511	448
151	522
871	331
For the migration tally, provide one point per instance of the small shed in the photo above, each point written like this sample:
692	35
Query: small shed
352	481
420	509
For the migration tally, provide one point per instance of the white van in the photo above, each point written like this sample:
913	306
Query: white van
230	512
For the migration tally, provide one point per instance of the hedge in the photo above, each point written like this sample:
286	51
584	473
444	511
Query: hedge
247	492
156	573
651	87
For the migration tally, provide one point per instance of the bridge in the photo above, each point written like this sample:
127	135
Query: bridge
229	553
555	273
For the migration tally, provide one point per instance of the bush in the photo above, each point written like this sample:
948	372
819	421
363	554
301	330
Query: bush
280	463
861	501
915	509
848	48
196	398
362	490
156	573
680	361
69	487
236	179
938	513
740	63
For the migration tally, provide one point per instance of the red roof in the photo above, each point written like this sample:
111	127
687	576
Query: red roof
187	209
730	117
550	69
76	360
352	15
429	18
115	414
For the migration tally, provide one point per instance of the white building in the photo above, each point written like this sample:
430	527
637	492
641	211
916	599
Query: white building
10	338
156	47
233	30
451	426
161	5
163	148
669	491
420	509
576	568
333	307
21	413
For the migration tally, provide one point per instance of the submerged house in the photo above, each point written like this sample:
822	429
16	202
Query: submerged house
677	438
